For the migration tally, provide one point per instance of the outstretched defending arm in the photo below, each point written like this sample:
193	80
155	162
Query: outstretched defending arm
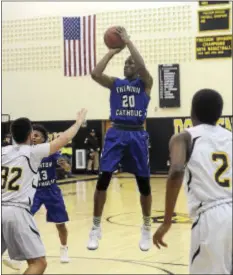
142	70
97	74
69	134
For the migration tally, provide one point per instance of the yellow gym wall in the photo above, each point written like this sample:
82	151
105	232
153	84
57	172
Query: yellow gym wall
33	82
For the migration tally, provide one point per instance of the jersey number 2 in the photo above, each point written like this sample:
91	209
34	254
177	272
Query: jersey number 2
128	101
222	158
10	177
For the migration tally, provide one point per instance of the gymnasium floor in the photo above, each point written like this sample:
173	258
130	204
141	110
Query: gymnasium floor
118	252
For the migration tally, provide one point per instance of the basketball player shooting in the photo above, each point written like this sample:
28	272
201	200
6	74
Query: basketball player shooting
127	141
20	163
203	154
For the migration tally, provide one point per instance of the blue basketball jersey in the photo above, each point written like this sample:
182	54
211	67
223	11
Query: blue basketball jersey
47	170
48	192
128	102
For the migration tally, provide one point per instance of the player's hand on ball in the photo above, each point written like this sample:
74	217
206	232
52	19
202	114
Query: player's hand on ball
81	116
121	31
159	234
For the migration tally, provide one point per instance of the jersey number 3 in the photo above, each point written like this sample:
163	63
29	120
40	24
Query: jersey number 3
221	157
43	175
10	177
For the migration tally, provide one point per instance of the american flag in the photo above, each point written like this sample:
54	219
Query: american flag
79	45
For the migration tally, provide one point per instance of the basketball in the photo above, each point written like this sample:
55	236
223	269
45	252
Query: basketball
112	40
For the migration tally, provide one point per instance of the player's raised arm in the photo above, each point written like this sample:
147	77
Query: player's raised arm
142	70
65	137
97	74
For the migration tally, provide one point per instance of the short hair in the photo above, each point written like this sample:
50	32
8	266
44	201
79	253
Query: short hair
40	128
207	105
20	129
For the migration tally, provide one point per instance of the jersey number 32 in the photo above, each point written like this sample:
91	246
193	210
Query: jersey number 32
10	178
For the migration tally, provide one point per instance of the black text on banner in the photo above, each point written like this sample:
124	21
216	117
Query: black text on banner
169	85
210	20
213	46
207	3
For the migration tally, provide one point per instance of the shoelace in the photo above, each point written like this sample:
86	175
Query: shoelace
94	233
146	233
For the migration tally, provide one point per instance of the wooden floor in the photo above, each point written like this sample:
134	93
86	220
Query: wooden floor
118	252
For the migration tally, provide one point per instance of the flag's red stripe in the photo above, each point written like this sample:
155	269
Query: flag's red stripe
87	53
65	72
74	52
84	45
90	44
69	58
94	39
79	58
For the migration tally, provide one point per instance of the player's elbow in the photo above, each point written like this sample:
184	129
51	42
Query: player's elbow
58	143
95	74
176	173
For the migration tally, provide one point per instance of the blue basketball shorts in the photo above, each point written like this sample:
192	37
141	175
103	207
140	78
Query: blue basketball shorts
129	148
51	197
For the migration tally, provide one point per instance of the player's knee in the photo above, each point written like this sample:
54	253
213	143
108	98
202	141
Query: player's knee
144	185
39	263
61	228
43	263
103	181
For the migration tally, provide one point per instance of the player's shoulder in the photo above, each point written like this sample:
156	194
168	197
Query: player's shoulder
6	152
224	131
191	130
48	159
6	149
195	130
22	149
40	149
205	129
56	155
180	137
53	157
118	80
34	148
11	152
